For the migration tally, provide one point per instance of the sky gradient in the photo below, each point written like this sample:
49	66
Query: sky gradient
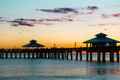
68	28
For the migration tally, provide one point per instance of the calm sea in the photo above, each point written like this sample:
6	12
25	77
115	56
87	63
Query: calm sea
29	69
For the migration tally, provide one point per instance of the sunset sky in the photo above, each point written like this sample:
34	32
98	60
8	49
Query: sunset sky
23	20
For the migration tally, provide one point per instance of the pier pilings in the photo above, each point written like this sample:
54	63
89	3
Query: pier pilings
78	54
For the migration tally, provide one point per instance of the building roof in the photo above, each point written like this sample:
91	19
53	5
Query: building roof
102	38
33	44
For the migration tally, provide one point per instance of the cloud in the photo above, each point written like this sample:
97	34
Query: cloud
2	19
59	10
41	21
92	8
58	19
66	17
105	24
116	15
70	10
23	22
51	20
105	16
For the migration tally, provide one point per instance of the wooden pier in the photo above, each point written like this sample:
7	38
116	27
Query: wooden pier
103	54
100	49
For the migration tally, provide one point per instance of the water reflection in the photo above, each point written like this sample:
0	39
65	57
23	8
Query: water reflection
57	70
105	69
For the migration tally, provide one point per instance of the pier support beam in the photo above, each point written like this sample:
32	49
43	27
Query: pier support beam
0	54
103	57
87	56
98	57
45	55
28	56
77	55
111	56
118	56
6	55
54	54
11	55
91	56
71	55
59	55
62	56
67	55
80	55
15	55
20	55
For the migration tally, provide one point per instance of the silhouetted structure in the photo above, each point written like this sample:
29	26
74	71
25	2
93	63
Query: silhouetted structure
33	44
102	49
103	45
101	40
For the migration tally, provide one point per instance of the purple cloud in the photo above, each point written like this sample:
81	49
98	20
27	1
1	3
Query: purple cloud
116	15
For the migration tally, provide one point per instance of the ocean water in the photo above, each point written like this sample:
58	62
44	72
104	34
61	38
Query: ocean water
42	69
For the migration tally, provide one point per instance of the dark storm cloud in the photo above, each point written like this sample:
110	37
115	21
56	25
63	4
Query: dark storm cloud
59	10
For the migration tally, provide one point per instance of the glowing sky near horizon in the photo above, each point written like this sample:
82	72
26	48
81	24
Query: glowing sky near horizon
84	26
